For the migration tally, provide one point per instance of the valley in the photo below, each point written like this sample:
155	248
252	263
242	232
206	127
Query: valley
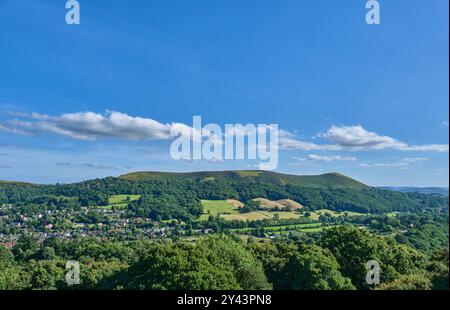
256	209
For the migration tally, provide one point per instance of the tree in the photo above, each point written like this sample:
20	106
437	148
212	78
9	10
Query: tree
438	268
276	217
45	274
216	262
250	206
354	247
407	282
175	266
5	255
314	268
274	256
13	277
25	247
232	253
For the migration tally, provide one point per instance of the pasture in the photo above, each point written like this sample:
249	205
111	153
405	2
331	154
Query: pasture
229	210
317	213
120	201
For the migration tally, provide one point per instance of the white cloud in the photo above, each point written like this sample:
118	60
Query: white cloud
380	165
405	163
91	126
88	165
357	138
354	138
294	144
313	157
427	148
10	128
289	141
445	123
415	159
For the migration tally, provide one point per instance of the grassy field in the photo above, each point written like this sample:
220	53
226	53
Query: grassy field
392	214
286	229
309	229
228	211
120	201
281	227
317	213
260	215
214	207
249	173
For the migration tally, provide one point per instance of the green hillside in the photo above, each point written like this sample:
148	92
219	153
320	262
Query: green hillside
335	180
166	196
4	182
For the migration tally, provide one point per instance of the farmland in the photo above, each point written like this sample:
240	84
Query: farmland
308	227
228	210
120	201
317	213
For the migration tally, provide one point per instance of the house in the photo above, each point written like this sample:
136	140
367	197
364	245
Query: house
8	244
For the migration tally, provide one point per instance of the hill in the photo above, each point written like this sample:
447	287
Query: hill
267	204
14	183
334	180
290	203
165	195
278	204
420	190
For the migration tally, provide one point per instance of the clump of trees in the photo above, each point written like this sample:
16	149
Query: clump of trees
336	260
250	206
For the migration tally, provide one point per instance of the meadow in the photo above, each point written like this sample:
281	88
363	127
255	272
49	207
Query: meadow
120	201
228	210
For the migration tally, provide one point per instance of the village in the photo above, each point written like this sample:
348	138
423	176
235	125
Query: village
102	223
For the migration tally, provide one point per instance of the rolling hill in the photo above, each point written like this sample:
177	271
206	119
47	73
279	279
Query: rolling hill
421	190
168	195
278	204
334	180
15	183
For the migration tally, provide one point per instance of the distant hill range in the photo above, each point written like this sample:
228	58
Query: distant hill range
327	180
177	195
12	183
421	190
333	179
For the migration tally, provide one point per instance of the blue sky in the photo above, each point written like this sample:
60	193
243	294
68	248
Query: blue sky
379	94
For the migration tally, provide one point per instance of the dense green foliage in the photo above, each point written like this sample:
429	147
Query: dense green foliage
425	232
335	261
313	268
354	248
213	263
